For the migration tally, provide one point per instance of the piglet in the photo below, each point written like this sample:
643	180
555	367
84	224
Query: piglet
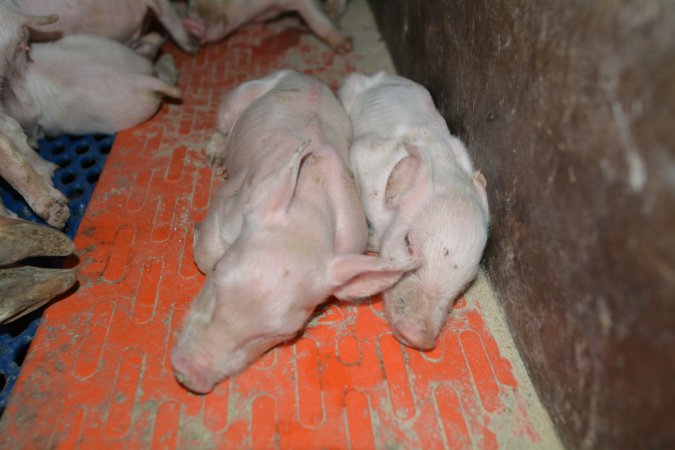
284	232
20	165
120	20
422	198
87	84
212	20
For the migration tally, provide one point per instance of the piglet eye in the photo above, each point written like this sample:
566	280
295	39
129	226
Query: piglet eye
408	246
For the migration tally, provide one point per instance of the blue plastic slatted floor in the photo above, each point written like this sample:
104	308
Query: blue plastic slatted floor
80	160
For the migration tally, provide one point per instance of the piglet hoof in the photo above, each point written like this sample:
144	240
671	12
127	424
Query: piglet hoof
57	212
344	46
193	45
166	69
215	149
148	45
195	27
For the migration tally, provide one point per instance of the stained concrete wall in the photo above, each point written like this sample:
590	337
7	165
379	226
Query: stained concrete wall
568	108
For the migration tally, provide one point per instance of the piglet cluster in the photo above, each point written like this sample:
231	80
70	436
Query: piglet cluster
89	66
311	182
60	59
288	227
57	89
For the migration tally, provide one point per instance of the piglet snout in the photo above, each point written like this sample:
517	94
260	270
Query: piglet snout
189	375
414	335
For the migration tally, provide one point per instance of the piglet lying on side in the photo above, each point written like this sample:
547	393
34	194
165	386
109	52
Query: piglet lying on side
212	20
422	198
285	231
86	84
120	20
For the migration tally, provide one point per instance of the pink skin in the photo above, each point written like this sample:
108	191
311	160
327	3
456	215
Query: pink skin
284	232
59	92
422	198
20	165
213	20
120	20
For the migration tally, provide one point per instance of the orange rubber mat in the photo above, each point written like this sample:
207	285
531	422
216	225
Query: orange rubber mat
98	373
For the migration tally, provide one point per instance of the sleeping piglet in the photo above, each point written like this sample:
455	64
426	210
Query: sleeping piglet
212	20
120	20
87	84
422	198
284	232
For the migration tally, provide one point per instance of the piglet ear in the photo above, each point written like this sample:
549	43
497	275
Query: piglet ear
411	176
274	193
358	276
479	180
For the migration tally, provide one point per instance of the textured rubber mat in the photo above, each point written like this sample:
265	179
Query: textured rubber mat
98	373
80	160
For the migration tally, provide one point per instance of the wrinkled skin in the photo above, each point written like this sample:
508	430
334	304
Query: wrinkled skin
422	198
213	20
20	165
119	20
60	90
284	232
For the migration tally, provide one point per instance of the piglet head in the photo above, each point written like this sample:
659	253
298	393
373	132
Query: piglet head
14	33
267	284
444	228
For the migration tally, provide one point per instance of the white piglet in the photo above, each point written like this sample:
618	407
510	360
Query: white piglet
285	231
213	20
20	165
422	198
87	84
121	20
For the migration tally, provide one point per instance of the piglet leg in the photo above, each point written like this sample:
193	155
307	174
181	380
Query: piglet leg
166	69
43	198
148	45
168	16
231	107
9	127
221	226
321	25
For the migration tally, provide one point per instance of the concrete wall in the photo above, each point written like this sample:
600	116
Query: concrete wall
568	108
